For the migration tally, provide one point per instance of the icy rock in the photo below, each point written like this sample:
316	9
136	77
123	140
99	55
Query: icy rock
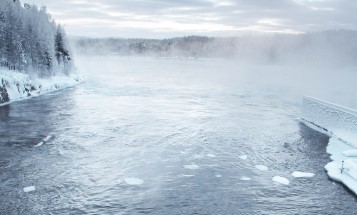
134	181
298	174
29	189
280	180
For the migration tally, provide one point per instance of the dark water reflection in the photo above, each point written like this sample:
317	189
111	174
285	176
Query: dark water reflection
150	125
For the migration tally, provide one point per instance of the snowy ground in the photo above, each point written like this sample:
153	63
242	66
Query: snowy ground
16	86
340	124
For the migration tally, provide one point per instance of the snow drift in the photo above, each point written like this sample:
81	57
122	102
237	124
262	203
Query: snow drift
340	123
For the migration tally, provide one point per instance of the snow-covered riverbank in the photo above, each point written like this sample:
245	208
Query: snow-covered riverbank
16	86
340	124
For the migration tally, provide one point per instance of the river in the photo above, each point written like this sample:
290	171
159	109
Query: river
166	136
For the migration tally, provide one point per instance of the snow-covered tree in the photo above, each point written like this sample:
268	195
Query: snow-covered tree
30	40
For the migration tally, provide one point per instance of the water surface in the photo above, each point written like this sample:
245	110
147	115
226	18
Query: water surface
165	136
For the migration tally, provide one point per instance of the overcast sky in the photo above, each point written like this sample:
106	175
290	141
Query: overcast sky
168	18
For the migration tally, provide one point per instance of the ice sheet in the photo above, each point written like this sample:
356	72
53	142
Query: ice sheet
340	123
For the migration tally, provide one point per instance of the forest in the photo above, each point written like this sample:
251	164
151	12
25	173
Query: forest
31	42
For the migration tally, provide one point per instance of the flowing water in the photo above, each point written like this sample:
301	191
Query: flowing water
166	136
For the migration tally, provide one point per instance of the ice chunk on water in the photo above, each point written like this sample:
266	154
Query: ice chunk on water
48	138
191	166
45	140
218	175
262	167
298	174
211	155
280	180
244	178
38	144
29	189
183	175
243	157
133	181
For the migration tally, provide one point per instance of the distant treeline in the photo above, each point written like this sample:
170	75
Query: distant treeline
31	41
338	47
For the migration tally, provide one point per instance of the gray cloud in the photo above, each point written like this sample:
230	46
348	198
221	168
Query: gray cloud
163	18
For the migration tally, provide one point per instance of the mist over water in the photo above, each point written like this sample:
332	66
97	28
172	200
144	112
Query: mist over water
171	136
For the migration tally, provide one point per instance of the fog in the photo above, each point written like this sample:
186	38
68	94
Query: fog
321	64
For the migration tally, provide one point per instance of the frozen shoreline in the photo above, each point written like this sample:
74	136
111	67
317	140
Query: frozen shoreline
340	124
16	86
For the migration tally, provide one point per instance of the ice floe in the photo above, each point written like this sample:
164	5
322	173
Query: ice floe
218	175
243	157
191	166
298	174
262	167
134	181
244	178
211	155
280	180
29	189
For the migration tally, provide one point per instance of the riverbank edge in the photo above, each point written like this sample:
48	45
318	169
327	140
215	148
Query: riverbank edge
16	86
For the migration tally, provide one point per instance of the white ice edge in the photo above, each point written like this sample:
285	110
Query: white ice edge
17	82
340	124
